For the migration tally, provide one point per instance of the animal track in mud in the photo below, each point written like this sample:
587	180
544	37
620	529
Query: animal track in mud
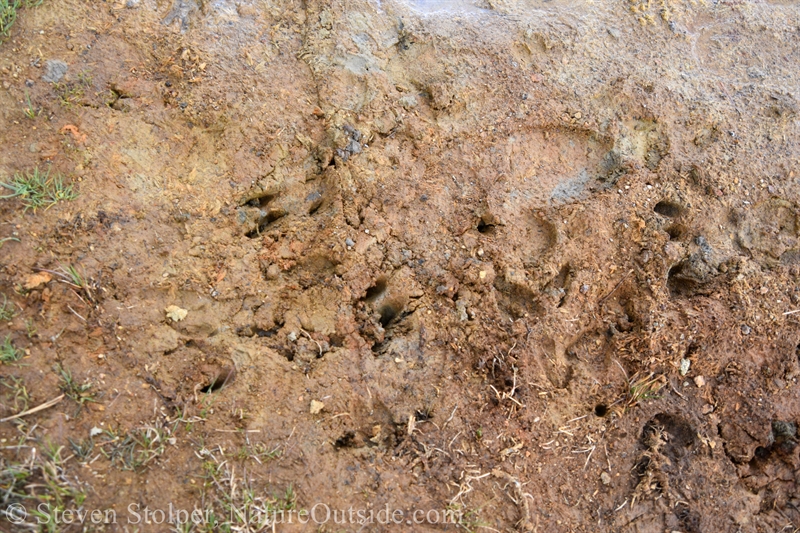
259	209
770	472
674	434
693	274
667	440
557	288
555	166
541	236
257	213
558	370
769	231
374	296
517	299
782	440
390	322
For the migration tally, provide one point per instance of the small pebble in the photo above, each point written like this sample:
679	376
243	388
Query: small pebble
605	478
746	330
273	271
349	242
292	336
316	407
700	381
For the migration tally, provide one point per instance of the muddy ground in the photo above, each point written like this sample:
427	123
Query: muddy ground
532	263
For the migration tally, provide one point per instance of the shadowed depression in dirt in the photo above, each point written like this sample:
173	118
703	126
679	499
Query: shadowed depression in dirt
400	265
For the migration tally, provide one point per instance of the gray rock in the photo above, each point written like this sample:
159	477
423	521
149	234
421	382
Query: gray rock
354	147
54	70
182	11
409	101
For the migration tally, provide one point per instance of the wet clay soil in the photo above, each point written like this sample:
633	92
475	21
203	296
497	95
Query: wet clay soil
532	262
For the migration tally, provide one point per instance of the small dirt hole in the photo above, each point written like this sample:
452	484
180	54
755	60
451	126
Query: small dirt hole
601	410
269	218
762	452
485	228
266	332
560	281
315	202
262	201
225	376
345	441
421	415
374	292
668	209
388	313
675	231
680	284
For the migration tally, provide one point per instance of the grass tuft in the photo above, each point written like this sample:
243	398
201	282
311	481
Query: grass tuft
7	311
40	483
8	12
17	397
78	393
71	93
8	15
29	110
138	447
8	353
39	189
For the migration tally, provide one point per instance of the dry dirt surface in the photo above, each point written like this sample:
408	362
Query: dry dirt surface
400	265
